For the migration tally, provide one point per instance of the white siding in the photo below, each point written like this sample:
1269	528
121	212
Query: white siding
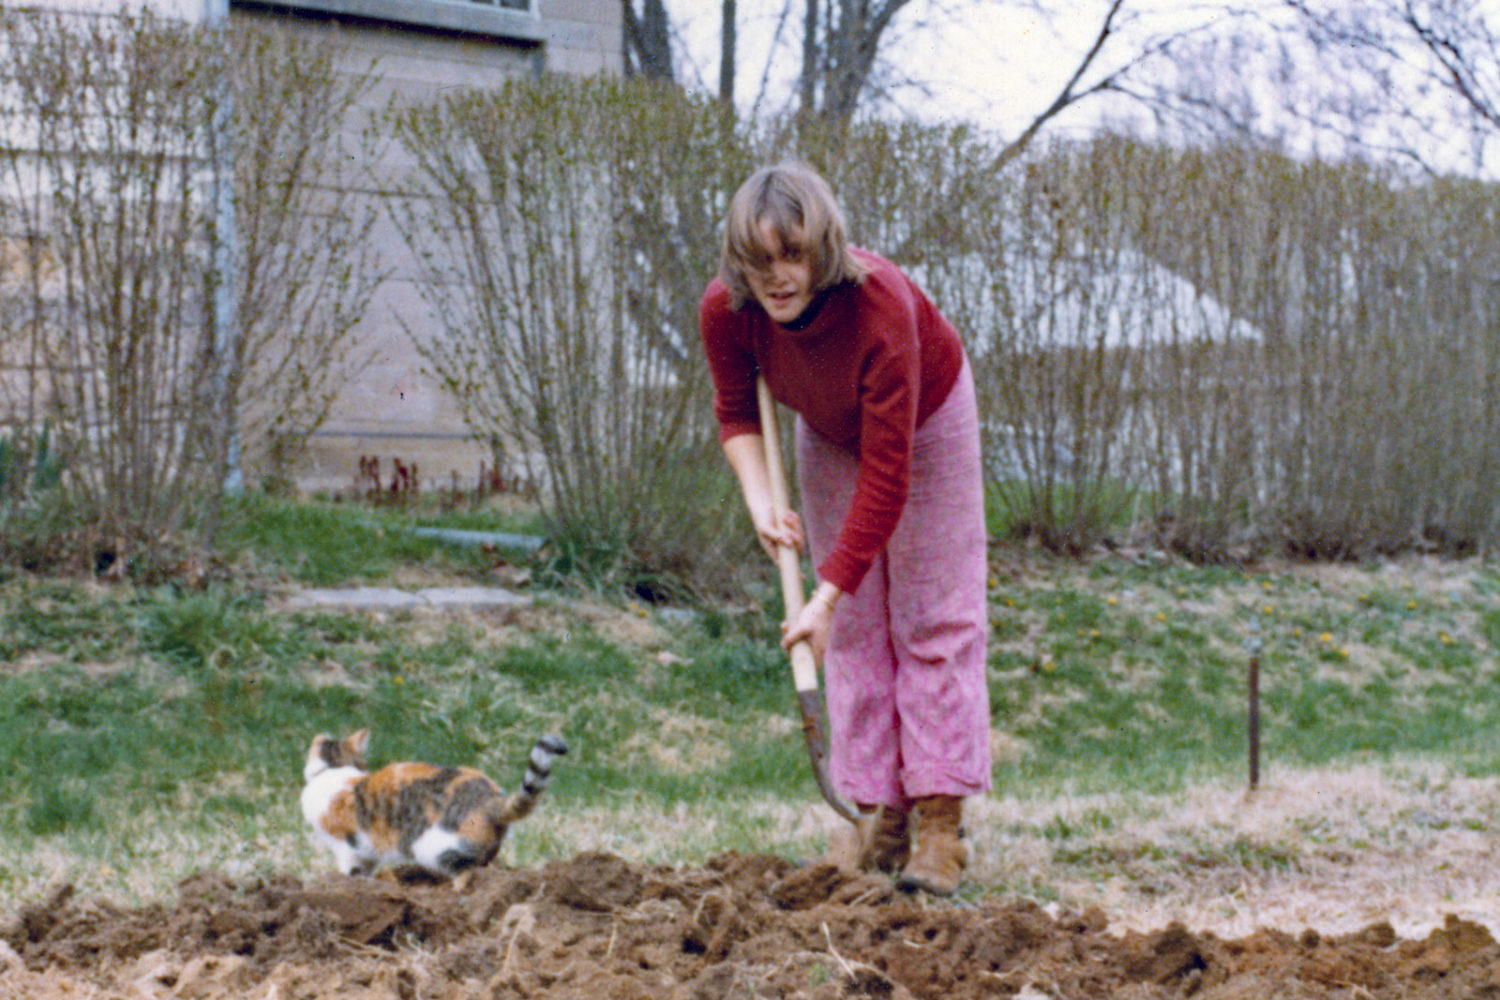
392	409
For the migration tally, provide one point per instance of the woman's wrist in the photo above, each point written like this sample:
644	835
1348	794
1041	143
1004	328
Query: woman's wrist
828	593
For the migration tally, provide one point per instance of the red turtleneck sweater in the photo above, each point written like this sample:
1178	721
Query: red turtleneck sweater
874	362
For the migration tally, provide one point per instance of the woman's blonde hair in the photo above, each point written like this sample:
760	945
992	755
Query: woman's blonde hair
804	215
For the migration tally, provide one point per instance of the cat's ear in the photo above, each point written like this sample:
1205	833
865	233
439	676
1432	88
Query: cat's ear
357	742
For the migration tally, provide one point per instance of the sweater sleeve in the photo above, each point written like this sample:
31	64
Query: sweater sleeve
731	363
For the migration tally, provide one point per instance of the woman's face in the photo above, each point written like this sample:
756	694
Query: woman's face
784	287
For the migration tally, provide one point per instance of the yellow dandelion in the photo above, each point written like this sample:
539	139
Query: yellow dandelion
1266	609
1161	616
1325	637
1411	605
1111	601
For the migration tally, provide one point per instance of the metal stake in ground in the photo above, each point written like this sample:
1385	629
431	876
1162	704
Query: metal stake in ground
804	666
1253	713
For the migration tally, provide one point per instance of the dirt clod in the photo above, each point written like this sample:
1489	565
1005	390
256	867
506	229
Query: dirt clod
599	882
742	926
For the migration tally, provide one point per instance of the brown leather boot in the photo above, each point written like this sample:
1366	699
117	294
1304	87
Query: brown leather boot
876	842
889	845
939	857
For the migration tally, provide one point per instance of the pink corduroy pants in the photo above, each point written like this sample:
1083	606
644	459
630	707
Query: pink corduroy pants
904	675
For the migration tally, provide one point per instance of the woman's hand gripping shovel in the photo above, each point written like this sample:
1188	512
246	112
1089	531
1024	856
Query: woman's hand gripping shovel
804	665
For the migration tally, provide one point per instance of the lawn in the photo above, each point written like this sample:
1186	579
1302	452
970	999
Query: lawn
148	733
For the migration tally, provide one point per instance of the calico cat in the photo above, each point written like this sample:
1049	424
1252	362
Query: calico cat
443	820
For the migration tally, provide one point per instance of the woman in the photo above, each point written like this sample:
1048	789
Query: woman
889	468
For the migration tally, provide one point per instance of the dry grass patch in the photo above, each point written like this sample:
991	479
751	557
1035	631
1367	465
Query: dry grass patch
675	743
1330	849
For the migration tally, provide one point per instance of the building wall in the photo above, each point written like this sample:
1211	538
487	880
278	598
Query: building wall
390	409
416	50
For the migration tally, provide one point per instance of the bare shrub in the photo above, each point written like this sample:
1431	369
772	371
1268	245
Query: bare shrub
1238	352
114	335
1064	310
564	239
306	268
1204	464
1358	413
111	183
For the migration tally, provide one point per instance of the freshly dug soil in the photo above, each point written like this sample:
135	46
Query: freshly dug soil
743	926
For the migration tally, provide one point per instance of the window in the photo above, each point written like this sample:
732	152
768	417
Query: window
515	20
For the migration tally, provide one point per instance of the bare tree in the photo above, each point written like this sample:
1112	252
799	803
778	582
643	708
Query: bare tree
648	40
1437	63
842	44
1454	37
1097	71
1465	50
1413	81
1084	82
840	40
728	38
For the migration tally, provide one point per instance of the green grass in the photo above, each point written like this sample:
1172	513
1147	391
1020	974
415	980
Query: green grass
326	544
1015	508
1136	675
149	732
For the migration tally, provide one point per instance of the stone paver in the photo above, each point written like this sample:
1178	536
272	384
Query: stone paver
391	599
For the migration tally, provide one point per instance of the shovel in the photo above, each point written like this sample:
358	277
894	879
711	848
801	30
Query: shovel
804	666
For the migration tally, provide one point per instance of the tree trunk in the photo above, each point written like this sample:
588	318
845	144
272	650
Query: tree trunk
841	64
648	41
810	61
727	40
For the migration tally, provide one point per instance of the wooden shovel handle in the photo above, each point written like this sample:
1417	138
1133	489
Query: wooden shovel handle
804	666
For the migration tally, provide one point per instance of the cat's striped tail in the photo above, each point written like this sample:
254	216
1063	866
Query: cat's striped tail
544	754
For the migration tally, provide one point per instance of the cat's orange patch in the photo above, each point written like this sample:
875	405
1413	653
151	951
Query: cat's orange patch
393	777
478	827
340	820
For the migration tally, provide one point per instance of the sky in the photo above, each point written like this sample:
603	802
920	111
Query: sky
993	63
999	63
